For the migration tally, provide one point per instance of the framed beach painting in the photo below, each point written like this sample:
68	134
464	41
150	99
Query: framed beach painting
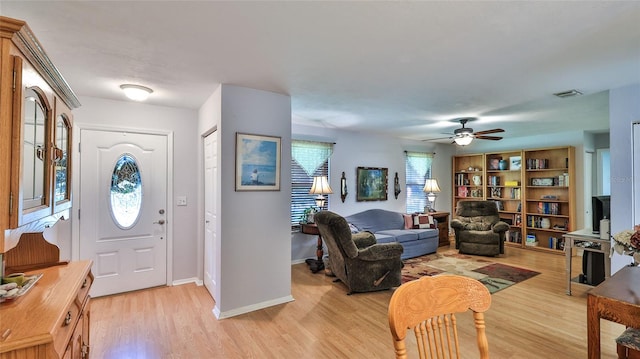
257	162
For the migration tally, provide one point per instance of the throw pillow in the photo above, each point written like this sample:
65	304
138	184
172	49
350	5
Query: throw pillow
408	221
423	221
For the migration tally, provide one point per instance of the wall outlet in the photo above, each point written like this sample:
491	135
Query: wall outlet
181	200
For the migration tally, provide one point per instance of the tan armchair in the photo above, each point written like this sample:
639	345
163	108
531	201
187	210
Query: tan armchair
361	263
478	228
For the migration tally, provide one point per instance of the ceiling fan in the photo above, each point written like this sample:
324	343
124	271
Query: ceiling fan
464	135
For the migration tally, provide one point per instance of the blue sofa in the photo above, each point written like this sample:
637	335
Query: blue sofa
389	227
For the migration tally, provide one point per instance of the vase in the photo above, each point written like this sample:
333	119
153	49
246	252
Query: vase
503	164
545	223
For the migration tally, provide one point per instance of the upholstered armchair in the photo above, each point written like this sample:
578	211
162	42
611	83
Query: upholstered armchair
478	228
357	260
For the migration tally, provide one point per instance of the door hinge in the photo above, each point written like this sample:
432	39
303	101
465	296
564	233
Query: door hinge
14	80
11	203
78	213
78	147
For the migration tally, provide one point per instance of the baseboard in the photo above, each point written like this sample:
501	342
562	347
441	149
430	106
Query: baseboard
195	280
251	308
298	261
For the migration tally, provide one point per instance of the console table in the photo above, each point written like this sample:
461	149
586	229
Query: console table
315	264
616	299
585	235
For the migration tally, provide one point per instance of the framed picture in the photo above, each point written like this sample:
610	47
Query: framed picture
494	163
372	184
542	181
515	163
257	162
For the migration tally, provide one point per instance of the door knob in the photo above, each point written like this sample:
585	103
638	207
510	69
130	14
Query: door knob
159	222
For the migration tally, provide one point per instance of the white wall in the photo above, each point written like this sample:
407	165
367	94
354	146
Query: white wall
182	122
254	239
353	150
624	105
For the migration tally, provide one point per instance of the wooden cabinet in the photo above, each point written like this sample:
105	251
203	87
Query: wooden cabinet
468	178
35	129
443	227
52	319
504	186
533	189
550	205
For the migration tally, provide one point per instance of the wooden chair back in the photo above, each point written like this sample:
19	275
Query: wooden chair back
428	306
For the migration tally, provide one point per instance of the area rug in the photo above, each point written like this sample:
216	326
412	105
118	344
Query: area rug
494	276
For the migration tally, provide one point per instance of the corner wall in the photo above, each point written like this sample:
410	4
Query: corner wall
254	240
624	104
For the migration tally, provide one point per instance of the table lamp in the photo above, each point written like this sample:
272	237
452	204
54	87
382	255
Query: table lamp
320	187
431	187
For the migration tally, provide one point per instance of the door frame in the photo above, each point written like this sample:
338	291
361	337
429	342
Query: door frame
75	185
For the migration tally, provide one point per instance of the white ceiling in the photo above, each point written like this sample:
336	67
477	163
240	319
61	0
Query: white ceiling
403	68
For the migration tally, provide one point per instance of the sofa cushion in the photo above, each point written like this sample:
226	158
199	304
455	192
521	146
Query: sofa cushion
425	233
384	238
402	235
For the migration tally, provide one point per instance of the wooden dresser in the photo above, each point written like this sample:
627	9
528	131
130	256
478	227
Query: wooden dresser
52	319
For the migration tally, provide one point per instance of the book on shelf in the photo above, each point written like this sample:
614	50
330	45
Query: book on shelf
549	208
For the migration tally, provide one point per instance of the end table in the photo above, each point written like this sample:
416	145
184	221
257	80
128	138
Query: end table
315	265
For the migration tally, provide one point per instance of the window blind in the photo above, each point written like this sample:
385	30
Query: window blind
417	170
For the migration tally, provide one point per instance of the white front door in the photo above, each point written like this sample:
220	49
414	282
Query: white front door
210	216
123	204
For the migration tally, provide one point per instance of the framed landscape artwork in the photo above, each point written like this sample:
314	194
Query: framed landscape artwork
257	162
372	184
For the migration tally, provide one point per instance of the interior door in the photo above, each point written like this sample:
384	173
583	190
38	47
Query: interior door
210	215
123	203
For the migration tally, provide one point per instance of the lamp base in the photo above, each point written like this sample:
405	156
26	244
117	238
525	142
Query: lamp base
315	265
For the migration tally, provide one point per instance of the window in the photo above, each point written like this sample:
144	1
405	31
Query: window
308	159
417	170
126	192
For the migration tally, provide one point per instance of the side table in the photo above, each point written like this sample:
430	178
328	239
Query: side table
443	227
585	235
315	264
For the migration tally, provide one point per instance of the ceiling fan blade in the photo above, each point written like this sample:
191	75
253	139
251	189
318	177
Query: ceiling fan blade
493	138
439	138
495	130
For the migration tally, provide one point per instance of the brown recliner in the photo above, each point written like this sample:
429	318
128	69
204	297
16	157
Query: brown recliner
361	263
478	228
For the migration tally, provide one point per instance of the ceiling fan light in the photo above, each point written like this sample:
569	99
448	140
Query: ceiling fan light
136	92
463	140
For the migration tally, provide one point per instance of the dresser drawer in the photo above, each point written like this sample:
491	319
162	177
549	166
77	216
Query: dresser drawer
65	327
83	293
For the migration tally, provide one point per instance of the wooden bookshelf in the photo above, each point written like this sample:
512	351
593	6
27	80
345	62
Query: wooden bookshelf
533	189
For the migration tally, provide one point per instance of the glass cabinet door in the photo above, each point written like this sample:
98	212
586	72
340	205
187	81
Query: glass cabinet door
35	162
62	159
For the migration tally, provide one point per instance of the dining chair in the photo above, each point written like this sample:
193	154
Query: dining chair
428	306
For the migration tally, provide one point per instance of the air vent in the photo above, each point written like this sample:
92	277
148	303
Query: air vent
569	93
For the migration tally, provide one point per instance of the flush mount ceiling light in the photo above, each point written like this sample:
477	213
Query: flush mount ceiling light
136	92
569	93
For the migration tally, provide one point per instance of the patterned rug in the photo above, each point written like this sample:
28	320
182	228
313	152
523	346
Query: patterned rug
495	276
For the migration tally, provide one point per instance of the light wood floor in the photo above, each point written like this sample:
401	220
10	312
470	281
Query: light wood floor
532	319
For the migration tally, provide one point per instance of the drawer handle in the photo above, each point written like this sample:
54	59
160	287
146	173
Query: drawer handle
84	284
67	319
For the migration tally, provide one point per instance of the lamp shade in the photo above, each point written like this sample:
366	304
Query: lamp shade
431	186
320	185
463	140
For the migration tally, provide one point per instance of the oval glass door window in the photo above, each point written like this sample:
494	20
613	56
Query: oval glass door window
126	192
